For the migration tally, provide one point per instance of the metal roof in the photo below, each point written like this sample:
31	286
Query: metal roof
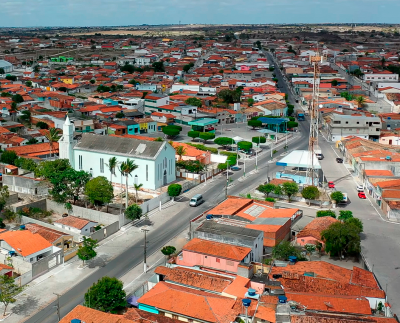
271	221
299	158
227	230
128	147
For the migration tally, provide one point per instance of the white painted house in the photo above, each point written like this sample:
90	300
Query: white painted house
77	225
155	160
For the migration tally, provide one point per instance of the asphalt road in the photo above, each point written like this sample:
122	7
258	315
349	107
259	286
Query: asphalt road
133	256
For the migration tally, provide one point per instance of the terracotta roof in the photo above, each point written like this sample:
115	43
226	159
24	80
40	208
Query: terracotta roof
49	234
217	249
35	149
136	315
25	242
73	221
190	302
329	318
89	315
378	172
315	227
353	305
391	194
195	278
389	184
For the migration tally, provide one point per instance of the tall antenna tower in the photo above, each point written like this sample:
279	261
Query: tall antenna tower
312	172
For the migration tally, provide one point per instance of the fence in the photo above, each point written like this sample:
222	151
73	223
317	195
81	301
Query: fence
45	264
105	232
154	202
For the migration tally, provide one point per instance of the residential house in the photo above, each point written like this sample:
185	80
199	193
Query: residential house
272	108
57	238
30	246
147	125
311	233
155	100
192	153
77	225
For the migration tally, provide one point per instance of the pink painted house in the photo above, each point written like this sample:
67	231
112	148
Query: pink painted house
213	255
311	234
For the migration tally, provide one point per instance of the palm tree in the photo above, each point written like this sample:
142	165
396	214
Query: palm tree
127	167
180	151
112	164
137	188
360	101
52	135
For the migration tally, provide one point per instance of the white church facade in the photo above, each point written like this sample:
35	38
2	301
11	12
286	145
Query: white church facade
156	160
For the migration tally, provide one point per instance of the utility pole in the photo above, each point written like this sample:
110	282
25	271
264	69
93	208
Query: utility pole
58	306
145	249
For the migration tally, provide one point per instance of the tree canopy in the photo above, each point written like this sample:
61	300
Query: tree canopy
284	250
337	196
133	212
194	101
8	290
193	134
170	131
266	189
323	213
99	190
206	136
224	141
245	145
107	295
254	123
310	193
290	188
9	157
174	190
86	250
259	140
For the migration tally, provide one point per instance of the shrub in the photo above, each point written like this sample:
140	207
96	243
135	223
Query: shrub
331	213
133	212
174	190
205	148
259	140
270	199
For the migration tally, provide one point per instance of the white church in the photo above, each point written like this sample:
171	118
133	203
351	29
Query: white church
156	160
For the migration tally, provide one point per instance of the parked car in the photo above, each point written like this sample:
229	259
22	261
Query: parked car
331	185
360	188
320	156
361	195
235	168
339	160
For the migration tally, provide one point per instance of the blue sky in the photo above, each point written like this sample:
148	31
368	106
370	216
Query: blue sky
21	13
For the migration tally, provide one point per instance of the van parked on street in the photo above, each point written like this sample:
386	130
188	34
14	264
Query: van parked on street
196	200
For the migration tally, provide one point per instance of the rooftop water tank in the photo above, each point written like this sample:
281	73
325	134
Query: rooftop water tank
22	227
388	158
251	292
282	299
246	302
292	259
209	216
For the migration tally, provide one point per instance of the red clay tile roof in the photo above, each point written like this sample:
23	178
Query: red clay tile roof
391	194
136	315
195	278
25	242
89	315
191	303
325	318
351	305
378	172
73	221
35	149
315	227
49	234
217	249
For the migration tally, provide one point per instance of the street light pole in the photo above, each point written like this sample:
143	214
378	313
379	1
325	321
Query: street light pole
145	249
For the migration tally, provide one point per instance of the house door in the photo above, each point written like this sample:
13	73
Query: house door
165	178
390	141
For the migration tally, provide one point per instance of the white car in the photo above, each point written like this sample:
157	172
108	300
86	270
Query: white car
360	188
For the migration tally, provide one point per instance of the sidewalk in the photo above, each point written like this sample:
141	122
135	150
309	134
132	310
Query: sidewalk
39	293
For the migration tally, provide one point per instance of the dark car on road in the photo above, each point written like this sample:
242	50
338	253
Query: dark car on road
339	160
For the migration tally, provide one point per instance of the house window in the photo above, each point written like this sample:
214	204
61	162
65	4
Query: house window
174	316
80	161
218	260
101	165
147	173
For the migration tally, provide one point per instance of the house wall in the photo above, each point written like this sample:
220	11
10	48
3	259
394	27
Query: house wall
195	259
306	240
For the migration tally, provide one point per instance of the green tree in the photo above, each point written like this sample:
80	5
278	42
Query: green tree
290	188
134	82
158	66
337	196
86	250
25	116
254	123
229	96
11	78
342	238
133	212
334	82
99	191
310	193
245	145
186	68
170	131
194	134
107	295
194	101
345	215
284	250
278	190
356	222
292	124
310	249
266	189
224	141
4	195
112	165
180	151
259	140
120	115
168	251
206	136
127	168
323	213
250	102
174	190
53	135
92	81
28	83
42	125
290	109
137	188
360	101
2	71
17	98
32	141
8	290
9	157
